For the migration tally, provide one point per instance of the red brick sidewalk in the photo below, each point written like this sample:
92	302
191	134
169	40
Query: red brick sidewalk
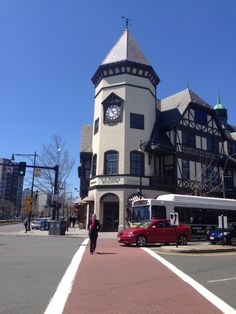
120	279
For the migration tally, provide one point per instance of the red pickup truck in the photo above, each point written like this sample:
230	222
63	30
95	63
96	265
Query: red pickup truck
155	231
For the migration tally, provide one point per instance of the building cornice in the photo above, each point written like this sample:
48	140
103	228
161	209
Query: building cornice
126	67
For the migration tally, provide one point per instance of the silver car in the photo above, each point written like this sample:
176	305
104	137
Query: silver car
36	224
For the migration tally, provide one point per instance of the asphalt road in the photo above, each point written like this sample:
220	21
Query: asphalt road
30	269
216	272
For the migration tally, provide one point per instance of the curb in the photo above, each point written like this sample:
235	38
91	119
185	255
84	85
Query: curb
197	250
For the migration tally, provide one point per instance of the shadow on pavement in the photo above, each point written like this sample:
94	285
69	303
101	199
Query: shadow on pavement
102	253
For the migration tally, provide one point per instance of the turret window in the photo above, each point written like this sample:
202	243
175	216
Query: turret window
137	121
137	163
96	126
111	161
94	165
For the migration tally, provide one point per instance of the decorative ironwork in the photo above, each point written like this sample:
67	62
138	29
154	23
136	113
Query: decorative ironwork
198	154
200	188
109	197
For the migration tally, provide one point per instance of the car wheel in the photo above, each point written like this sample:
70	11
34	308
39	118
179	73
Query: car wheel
182	240
233	241
141	241
212	242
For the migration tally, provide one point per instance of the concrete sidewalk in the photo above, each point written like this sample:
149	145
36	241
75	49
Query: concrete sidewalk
73	232
191	248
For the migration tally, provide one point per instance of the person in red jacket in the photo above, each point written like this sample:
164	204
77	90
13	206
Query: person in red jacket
94	227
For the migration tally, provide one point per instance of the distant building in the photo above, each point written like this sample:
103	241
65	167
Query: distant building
11	186
40	204
143	146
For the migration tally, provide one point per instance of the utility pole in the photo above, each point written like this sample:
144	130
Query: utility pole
32	191
32	185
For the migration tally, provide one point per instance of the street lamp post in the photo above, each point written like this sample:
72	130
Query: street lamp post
32	185
143	148
142	165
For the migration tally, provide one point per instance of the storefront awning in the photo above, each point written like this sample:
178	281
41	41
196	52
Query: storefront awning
135	197
88	199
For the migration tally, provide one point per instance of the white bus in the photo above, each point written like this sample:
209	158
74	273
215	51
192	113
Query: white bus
201	213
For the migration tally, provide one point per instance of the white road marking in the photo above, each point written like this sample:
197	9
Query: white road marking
225	279
220	304
58	301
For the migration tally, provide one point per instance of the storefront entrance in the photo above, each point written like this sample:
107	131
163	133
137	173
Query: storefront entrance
110	212
111	217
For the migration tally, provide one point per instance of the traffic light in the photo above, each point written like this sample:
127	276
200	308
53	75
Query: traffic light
21	169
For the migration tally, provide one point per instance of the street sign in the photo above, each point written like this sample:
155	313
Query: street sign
37	172
28	203
222	222
174	219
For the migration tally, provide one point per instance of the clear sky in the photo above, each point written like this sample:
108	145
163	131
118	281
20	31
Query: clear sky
50	49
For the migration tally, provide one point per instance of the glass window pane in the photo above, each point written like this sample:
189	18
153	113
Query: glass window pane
137	121
136	163
111	163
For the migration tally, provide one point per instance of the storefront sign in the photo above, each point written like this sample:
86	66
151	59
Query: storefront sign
110	180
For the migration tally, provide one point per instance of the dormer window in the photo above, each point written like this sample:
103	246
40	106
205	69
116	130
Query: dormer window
200	117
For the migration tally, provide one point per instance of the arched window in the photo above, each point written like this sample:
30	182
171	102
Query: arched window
137	163
111	161
94	165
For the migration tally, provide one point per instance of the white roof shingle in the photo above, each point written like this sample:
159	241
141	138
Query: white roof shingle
125	49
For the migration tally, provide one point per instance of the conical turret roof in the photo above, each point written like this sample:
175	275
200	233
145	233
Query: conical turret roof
125	49
126	58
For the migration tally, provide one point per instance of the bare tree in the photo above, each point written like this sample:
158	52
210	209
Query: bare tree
54	154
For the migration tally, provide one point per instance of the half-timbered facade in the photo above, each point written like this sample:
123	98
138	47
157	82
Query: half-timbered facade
142	146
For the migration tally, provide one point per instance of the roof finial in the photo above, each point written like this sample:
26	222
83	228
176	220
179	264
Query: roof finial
218	97
127	19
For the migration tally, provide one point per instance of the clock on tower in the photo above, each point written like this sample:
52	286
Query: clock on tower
113	106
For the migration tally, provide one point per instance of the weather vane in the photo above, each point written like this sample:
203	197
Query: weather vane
127	19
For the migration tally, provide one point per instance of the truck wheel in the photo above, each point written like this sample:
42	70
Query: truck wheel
141	241
182	240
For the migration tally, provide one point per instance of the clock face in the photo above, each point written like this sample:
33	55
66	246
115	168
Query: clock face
113	112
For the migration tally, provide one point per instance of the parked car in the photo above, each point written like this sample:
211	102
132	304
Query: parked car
155	231
229	235
36	223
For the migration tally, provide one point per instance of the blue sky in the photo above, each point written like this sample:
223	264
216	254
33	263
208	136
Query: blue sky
50	49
